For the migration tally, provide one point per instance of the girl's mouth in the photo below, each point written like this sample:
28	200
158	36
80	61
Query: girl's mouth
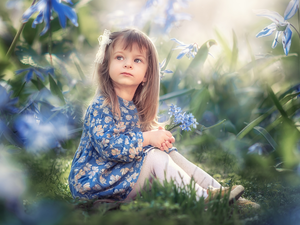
127	74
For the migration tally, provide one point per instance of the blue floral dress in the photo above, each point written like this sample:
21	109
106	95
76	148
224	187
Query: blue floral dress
110	155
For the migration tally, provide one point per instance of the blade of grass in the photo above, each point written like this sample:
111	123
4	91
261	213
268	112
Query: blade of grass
20	90
16	38
234	54
262	63
175	94
168	57
80	72
55	89
39	85
282	111
267	136
201	56
215	125
276	102
259	119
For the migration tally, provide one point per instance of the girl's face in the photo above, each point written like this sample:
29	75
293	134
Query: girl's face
127	68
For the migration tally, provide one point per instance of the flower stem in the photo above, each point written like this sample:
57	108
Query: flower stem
176	125
298	19
16	38
50	46
295	30
13	44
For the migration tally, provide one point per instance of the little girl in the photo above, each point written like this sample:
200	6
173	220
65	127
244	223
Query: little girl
122	144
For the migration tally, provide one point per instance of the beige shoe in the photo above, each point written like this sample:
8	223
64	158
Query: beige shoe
242	202
235	193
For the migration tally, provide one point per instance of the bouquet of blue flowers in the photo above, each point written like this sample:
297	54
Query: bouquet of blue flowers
181	119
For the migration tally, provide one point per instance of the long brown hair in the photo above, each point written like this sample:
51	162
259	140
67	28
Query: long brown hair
146	97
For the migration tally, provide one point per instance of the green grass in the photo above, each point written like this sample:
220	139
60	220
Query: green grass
48	189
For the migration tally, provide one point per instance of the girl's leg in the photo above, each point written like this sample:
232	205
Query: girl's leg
160	165
200	176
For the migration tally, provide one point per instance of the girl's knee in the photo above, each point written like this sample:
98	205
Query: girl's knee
157	154
156	157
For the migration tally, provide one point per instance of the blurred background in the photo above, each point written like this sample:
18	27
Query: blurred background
243	93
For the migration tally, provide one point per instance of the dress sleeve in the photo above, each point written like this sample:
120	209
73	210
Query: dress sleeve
109	138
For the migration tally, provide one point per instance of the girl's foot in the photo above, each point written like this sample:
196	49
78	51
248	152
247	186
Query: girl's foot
235	193
242	202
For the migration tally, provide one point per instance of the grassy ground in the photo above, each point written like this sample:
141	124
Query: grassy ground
278	193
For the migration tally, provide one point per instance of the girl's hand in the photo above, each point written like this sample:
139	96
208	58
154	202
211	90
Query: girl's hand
167	144
160	138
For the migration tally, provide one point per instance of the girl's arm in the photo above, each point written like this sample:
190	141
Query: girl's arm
109	138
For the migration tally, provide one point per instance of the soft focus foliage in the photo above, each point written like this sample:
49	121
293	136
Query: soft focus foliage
243	93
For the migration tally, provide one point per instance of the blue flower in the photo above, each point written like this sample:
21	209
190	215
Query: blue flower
188	50
281	25
182	119
44	8
15	4
6	103
151	3
40	135
257	148
172	17
161	65
38	71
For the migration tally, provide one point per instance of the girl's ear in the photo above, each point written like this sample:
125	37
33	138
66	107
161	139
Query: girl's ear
145	79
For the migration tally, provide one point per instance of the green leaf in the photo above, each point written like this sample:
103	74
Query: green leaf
290	108
18	92
234	54
281	110
201	56
29	56
287	149
29	33
172	84
276	102
288	91
251	53
199	102
175	94
259	119
3	66
55	89
80	72
215	125
223	43
262	63
267	136
38	83
168	57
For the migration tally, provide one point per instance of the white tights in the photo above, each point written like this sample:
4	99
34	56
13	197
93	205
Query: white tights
172	166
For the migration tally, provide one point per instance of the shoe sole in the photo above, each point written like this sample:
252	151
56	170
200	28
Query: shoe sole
235	194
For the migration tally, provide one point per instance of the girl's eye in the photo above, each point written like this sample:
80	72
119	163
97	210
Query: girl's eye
137	60
119	57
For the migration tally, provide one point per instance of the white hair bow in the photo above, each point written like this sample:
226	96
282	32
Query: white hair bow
103	41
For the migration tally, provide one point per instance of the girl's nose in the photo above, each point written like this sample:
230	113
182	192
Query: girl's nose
127	64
